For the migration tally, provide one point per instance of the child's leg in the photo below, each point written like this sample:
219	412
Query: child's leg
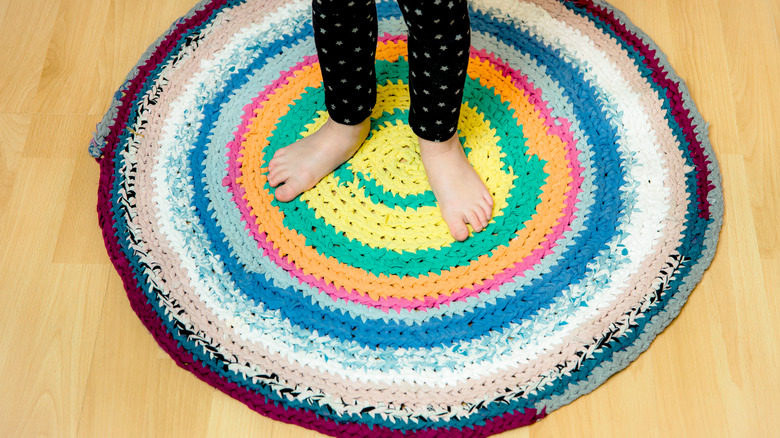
439	40
345	32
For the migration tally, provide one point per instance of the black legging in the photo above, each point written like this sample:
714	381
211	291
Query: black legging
345	32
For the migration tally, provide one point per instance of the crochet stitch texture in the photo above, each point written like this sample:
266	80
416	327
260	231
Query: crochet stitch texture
351	310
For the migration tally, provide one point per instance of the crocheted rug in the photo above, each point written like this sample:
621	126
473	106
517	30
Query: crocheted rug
351	310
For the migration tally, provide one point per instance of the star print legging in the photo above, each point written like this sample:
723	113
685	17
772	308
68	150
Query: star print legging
345	32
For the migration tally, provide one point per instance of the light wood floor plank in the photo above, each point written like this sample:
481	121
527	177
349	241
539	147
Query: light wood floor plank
134	388
80	240
28	235
13	135
739	318
47	392
71	59
26	33
48	132
49	312
755	56
130	28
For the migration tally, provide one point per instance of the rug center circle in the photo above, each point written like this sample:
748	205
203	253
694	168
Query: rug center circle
381	196
391	157
336	233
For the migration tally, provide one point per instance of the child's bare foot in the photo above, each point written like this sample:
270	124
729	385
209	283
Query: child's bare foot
460	192
301	165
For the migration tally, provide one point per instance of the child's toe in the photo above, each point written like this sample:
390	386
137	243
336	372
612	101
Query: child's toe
288	191
475	221
458	229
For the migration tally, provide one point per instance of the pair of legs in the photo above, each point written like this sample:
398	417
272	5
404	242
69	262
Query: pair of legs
345	33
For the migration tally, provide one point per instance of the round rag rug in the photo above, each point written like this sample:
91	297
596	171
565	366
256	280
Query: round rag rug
351	310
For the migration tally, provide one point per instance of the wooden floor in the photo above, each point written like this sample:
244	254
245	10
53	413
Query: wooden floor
76	361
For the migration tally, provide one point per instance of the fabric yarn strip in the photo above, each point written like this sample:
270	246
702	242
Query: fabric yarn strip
351	310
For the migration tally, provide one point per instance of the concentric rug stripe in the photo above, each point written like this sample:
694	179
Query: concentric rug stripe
351	310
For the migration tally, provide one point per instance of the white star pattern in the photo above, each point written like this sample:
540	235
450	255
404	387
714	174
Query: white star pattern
429	90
